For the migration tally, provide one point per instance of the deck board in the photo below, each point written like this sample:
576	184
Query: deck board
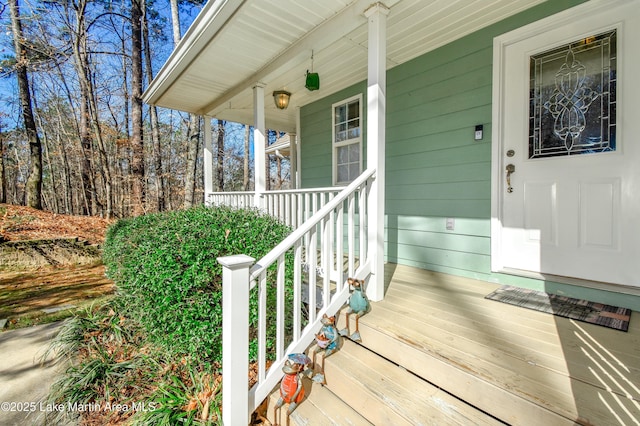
584	372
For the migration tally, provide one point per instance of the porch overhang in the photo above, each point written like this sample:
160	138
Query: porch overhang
234	44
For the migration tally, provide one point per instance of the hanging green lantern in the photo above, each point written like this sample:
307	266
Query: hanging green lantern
313	81
313	78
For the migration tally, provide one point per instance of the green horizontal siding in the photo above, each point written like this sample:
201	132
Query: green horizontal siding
425	242
434	168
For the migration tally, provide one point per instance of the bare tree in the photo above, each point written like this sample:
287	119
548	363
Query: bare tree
161	182
193	129
94	158
3	175
193	144
89	119
34	180
220	156
137	137
245	177
175	22
278	165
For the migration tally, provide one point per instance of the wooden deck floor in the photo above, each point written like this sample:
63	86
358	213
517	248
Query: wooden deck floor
523	367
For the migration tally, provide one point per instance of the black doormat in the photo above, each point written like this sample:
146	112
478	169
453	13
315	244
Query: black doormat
562	306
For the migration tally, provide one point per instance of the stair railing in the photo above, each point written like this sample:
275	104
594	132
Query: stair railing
325	251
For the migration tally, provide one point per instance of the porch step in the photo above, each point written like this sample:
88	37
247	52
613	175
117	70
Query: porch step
364	388
498	405
387	394
320	407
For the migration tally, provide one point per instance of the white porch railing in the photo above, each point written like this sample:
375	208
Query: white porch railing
240	199
291	206
330	250
294	206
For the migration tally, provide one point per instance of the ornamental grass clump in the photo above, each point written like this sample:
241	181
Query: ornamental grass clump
168	278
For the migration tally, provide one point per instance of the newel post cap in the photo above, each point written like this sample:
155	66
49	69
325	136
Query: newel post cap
237	261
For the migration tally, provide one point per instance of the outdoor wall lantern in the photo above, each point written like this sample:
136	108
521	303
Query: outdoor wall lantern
281	98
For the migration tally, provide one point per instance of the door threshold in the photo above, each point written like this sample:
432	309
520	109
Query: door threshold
580	282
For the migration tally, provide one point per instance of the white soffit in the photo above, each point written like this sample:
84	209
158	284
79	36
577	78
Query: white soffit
233	44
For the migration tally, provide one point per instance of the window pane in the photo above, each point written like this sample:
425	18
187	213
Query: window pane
354	129
341	132
343	173
341	114
354	110
572	101
343	154
354	171
354	152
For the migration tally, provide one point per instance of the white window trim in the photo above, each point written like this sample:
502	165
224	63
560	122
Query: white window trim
335	145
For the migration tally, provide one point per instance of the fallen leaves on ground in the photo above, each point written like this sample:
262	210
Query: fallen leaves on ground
24	293
26	223
27	291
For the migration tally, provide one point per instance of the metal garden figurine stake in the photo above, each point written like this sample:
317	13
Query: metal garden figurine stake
291	389
358	304
328	340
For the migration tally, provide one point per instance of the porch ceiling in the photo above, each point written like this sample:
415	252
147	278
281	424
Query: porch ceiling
233	44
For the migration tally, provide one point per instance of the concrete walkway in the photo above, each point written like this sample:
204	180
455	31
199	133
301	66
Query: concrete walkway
24	379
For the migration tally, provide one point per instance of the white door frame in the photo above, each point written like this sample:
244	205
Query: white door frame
498	185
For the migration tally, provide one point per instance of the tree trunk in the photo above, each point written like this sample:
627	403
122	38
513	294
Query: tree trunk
278	165
175	21
3	175
193	131
161	182
245	177
267	166
89	117
278	172
54	206
86	171
220	157
63	139
193	143
137	138
123	149
66	176
34	180
88	183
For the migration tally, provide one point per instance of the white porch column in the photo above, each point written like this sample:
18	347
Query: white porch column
293	160
376	123
208	160
259	131
295	154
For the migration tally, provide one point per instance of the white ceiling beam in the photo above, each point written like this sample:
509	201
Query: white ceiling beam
325	34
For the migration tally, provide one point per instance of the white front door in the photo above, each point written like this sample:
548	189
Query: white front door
567	125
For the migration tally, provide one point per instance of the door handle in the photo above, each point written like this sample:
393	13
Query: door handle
510	169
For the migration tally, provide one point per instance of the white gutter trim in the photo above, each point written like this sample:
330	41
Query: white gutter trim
213	17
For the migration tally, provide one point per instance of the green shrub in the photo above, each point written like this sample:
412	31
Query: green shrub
168	277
